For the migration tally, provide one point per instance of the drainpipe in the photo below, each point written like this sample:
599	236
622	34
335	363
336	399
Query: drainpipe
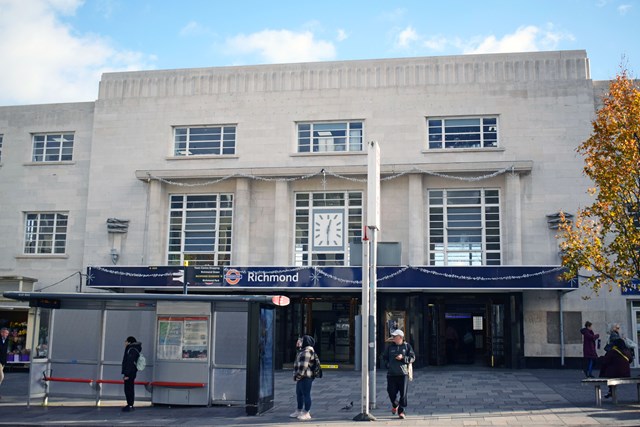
560	298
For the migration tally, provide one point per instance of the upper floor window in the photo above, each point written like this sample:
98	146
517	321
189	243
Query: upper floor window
1	137
326	223
52	147
45	233
329	136
469	132
204	140
200	228
464	227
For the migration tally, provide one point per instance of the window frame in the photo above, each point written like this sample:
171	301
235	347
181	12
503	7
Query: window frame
488	133
223	223
36	239
308	131
48	148
490	229
224	130
306	203
1	140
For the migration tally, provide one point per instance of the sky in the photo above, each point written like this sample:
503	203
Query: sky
56	50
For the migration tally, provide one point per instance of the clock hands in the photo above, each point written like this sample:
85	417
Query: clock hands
328	229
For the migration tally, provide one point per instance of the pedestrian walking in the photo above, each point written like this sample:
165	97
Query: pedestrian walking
132	350
303	376
398	356
589	353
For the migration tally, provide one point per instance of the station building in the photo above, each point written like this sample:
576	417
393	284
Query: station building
253	180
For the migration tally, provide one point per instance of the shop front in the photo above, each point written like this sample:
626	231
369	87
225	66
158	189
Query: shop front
17	317
451	315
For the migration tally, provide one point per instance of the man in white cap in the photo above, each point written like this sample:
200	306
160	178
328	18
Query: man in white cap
398	356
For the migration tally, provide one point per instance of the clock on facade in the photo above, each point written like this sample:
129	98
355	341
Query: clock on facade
328	230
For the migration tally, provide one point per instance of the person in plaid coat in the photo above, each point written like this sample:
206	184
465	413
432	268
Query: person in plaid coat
303	376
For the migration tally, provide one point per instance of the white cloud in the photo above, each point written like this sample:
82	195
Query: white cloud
281	46
406	37
44	60
193	28
342	35
437	43
524	39
624	8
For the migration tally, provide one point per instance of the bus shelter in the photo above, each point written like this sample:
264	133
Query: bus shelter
200	349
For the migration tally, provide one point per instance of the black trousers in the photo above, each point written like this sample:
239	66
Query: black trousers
129	391
398	384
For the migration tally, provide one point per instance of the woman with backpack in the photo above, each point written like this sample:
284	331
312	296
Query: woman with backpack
303	376
132	350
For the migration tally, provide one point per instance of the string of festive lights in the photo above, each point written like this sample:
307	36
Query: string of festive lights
317	271
324	173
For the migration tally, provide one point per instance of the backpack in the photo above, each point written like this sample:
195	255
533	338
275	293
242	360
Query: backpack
316	369
141	363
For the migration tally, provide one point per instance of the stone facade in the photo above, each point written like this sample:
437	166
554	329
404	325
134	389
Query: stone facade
123	147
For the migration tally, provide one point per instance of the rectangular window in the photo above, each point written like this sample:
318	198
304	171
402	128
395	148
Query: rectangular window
470	132
325	224
52	147
45	233
464	227
204	140
200	229
1	137
330	137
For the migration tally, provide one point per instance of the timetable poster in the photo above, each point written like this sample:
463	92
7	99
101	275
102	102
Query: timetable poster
182	337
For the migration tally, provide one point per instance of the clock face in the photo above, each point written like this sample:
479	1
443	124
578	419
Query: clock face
328	230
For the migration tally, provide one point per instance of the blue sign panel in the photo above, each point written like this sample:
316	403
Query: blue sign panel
634	289
403	277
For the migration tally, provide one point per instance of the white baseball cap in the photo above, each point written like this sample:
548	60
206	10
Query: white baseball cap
397	333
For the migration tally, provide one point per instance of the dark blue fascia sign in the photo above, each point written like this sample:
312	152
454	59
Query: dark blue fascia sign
633	289
402	277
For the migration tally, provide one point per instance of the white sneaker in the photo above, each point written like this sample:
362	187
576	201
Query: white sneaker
295	414
304	415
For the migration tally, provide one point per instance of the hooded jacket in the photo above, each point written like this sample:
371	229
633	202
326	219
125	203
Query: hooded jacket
131	353
589	343
304	358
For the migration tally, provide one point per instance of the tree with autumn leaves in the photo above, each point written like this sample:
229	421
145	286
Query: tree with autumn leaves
603	241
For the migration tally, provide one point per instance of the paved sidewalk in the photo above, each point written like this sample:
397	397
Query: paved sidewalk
448	396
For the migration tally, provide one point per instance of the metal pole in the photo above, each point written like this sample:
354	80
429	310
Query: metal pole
364	415
561	294
373	276
372	223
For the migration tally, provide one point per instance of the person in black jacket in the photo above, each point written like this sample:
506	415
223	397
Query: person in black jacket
132	351
398	356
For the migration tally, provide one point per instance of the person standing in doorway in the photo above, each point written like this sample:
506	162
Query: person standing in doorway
132	350
4	348
589	353
398	356
303	376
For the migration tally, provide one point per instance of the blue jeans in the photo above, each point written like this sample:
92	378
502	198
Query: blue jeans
303	393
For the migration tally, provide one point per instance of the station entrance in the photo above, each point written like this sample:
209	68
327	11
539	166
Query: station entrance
482	329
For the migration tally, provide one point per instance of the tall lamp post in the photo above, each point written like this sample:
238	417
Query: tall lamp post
369	277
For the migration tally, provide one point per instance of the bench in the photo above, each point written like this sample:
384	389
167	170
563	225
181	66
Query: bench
610	382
